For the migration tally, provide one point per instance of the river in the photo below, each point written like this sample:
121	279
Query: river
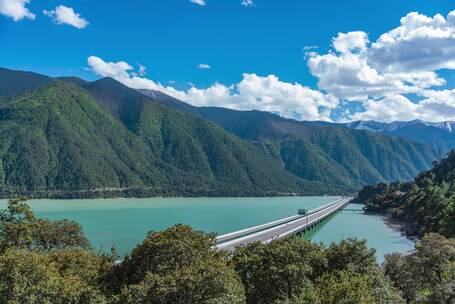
125	222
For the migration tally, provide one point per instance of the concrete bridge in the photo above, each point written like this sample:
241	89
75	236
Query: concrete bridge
281	228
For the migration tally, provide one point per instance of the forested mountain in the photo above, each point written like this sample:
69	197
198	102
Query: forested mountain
60	138
441	135
16	82
331	154
426	204
70	134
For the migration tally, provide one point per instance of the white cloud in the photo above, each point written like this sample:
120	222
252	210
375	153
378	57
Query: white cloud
267	93
379	75
435	106
391	108
420	43
247	3
16	9
349	42
401	61
310	47
198	2
204	66
348	76
142	70
66	15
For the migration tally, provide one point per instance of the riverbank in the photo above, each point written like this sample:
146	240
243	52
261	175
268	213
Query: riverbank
149	193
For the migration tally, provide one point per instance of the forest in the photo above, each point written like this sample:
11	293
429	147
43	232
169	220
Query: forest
424	205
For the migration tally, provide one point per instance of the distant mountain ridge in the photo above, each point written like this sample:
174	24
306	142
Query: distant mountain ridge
372	125
438	134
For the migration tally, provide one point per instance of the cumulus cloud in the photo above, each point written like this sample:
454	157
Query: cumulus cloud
66	15
204	66
247	3
380	74
349	42
420	43
348	74
266	93
435	106
16	9
198	2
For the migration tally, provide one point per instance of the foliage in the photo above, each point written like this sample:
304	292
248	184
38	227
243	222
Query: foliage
178	265
33	277
20	229
340	159
296	271
428	275
47	262
425	205
279	271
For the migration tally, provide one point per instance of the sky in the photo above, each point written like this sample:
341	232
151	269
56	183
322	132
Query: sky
327	60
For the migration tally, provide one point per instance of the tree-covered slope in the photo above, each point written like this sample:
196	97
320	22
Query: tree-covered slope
328	154
426	204
59	138
15	82
175	146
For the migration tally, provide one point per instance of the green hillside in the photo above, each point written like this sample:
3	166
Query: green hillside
348	158
424	205
60	141
16	82
127	142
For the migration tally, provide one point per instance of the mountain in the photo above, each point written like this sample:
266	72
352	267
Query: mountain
102	135
325	153
16	82
440	134
60	141
427	204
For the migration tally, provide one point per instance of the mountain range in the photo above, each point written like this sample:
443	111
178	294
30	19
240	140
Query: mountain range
440	135
329	153
67	137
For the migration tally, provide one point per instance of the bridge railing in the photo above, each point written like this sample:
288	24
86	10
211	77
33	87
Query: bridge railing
236	234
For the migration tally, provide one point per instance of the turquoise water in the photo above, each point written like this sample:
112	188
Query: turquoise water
125	222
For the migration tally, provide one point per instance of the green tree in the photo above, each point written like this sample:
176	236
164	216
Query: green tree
351	254
280	271
345	288
426	276
34	278
178	265
17	225
20	229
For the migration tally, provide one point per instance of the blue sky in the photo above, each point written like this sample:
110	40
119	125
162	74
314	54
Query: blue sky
172	38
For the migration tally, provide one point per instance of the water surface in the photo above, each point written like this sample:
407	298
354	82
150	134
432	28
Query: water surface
125	222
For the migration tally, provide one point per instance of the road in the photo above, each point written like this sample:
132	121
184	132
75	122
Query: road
278	229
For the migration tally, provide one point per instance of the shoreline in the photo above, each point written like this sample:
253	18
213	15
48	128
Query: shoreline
147	193
398	225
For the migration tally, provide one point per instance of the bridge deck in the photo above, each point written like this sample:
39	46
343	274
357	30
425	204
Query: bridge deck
278	229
